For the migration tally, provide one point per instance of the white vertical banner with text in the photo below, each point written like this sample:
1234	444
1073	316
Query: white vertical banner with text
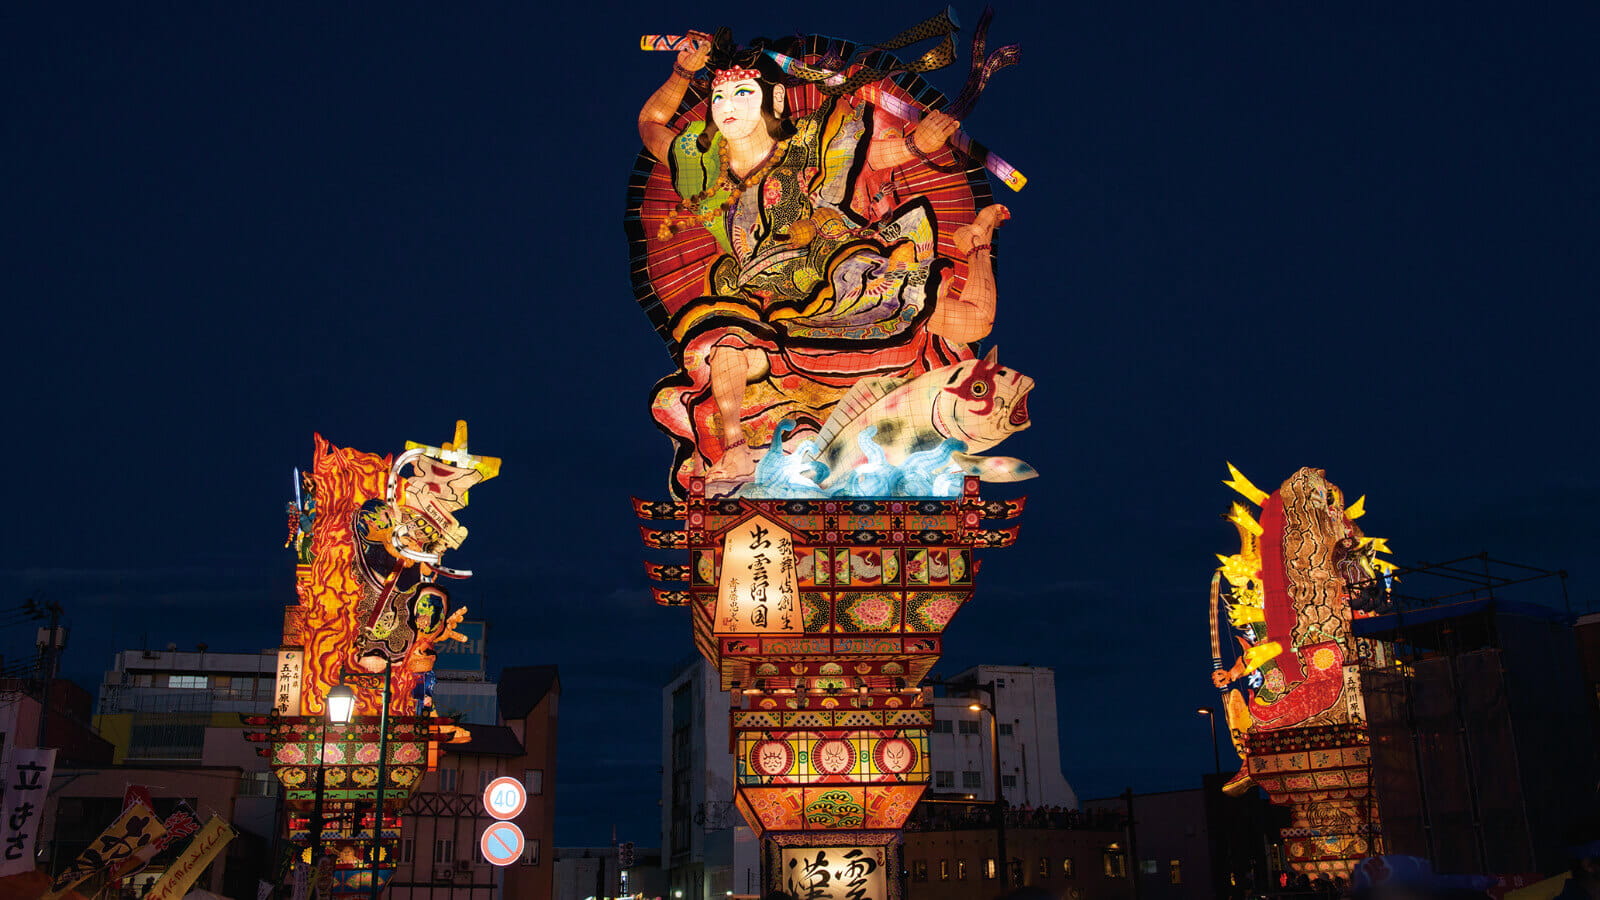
27	780
291	673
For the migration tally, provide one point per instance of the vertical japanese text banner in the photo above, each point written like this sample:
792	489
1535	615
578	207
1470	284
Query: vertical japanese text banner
27	780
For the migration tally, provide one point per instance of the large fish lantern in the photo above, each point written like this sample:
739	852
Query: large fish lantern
1292	696
911	437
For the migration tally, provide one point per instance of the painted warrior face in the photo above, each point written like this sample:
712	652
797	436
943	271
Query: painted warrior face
736	108
430	500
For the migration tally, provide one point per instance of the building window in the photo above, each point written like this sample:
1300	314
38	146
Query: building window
447	780
408	850
919	870
167	735
961	869
944	779
484	777
530	852
969	726
444	851
941	726
258	784
1175	871
1114	862
990	871
1014	870
944	870
1008	781
970	779
187	682
1005	729
533	780
1044	867
1068	869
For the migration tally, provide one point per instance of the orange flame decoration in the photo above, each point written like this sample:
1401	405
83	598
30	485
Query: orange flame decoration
345	479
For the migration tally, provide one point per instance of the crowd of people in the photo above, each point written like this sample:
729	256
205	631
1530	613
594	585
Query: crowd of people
960	816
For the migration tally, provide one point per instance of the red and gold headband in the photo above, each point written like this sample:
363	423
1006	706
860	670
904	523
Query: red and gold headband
723	76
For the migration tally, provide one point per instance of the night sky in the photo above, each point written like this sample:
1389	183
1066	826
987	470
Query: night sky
1351	236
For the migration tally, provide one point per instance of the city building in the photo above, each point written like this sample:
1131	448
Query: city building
83	801
440	858
1482	731
706	847
179	709
464	691
160	707
168	721
605	873
959	748
65	723
1199	843
952	853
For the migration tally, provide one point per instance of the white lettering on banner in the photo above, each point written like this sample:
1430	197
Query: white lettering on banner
291	675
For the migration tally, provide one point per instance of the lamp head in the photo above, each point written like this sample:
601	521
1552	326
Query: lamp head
341	704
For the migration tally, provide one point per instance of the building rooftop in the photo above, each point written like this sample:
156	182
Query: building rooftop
490	740
522	687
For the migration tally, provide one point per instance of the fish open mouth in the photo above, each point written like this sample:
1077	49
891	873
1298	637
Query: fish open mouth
1019	410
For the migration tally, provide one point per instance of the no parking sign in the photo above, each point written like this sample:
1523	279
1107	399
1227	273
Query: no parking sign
501	843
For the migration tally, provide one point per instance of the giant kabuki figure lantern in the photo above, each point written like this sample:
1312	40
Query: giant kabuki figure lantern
813	235
369	534
1292	697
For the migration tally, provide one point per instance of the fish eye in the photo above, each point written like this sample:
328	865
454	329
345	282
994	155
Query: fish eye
979	388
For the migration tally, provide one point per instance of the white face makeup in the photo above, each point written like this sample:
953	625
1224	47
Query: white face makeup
736	108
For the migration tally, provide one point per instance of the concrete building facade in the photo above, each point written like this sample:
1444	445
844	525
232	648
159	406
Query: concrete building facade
959	748
707	849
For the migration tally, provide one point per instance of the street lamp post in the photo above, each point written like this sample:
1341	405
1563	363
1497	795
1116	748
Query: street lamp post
341	710
383	774
994	749
1210	713
999	796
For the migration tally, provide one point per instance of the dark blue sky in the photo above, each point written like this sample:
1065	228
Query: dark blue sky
1356	236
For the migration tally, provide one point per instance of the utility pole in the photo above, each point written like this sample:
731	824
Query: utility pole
1133	843
51	640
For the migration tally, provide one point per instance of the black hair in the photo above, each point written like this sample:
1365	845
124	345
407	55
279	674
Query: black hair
725	56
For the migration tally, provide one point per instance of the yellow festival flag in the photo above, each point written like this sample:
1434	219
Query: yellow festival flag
187	867
135	829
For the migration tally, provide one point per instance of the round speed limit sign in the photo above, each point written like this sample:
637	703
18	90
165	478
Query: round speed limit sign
505	798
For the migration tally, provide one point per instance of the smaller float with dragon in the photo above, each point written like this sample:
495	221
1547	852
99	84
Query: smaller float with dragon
1292	695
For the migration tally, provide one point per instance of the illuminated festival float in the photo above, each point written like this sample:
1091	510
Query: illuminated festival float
1292	697
812	234
353	728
